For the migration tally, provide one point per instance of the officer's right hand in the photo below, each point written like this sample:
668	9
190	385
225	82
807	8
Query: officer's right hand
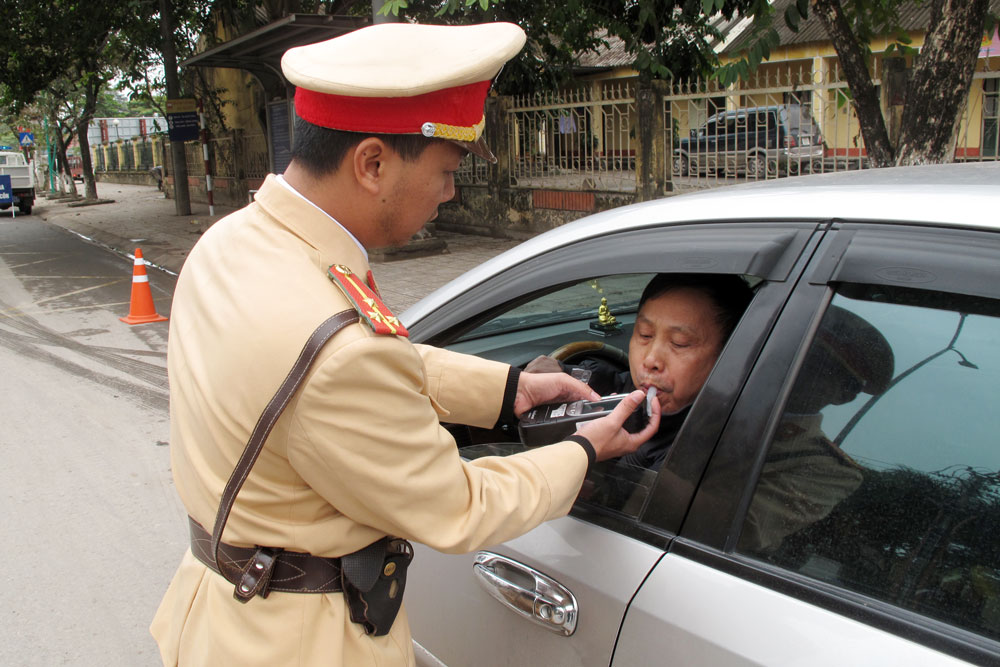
608	437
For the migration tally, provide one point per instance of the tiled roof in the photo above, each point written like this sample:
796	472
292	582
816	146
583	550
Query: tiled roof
911	17
614	54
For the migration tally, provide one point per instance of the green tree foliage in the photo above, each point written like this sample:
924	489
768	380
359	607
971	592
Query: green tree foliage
666	37
70	50
41	42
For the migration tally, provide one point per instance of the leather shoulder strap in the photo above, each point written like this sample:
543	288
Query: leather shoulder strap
274	408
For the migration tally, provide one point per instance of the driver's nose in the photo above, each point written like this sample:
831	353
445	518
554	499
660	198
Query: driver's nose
653	361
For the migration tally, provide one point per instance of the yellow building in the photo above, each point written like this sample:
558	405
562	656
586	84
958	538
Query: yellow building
806	62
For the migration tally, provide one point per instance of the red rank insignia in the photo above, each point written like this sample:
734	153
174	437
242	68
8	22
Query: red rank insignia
366	302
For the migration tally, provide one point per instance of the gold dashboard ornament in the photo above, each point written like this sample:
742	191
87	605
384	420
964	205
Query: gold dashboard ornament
606	324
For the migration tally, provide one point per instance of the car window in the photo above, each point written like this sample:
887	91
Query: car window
796	119
543	325
882	474
558	322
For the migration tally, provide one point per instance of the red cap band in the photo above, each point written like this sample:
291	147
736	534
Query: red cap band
461	106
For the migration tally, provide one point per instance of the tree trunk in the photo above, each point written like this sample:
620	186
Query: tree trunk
60	154
859	80
63	160
182	197
93	86
938	92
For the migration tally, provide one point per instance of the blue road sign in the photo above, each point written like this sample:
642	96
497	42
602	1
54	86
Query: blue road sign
26	138
183	126
6	193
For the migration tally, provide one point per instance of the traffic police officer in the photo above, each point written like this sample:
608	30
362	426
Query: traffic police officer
385	116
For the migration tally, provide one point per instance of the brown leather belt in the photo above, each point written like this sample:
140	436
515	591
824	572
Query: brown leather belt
293	571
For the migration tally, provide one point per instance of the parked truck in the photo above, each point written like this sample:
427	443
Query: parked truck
22	180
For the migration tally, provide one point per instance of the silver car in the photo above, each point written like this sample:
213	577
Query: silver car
875	545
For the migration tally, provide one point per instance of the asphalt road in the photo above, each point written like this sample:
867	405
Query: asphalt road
93	529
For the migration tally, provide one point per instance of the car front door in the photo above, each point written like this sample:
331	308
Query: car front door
558	594
849	513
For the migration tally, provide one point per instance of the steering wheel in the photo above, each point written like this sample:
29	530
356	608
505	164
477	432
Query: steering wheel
571	352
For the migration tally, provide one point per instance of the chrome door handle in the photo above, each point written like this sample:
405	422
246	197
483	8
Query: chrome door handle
527	591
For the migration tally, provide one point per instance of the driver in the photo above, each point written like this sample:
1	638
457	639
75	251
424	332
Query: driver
683	322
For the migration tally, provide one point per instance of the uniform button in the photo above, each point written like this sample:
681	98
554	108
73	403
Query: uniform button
390	568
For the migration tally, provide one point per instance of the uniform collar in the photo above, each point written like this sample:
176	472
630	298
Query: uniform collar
335	244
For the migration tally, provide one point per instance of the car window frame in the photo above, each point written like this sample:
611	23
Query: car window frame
775	252
711	529
766	249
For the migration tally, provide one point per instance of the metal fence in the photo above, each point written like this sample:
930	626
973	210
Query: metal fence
785	120
239	155
145	156
253	155
112	163
581	136
790	120
138	155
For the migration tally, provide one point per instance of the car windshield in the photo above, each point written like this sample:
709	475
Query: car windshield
799	117
577	302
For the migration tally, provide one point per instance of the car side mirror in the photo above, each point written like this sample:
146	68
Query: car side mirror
694	134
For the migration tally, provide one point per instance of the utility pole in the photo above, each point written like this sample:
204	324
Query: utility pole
182	198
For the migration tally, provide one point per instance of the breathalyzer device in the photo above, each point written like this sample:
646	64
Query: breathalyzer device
550	423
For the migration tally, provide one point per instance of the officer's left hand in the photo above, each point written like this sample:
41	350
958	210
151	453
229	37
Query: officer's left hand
539	388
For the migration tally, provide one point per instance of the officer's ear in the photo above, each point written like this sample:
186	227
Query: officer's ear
369	163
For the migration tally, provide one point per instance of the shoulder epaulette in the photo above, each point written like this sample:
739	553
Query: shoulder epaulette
366	302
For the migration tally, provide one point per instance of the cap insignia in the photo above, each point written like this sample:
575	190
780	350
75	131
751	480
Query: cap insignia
453	132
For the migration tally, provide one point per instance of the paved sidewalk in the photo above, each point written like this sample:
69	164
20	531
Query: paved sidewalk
141	217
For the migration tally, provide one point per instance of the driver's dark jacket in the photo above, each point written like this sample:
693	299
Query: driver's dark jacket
606	379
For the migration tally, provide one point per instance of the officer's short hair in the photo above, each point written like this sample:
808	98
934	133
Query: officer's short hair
729	293
321	150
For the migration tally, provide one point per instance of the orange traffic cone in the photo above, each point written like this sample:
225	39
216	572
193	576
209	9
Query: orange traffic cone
142	309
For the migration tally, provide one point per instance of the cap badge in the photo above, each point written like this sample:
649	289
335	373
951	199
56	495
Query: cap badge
454	132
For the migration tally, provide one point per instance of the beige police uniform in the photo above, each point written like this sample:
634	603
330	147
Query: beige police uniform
804	477
358	454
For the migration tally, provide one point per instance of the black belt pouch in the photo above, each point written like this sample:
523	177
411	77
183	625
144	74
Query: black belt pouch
373	579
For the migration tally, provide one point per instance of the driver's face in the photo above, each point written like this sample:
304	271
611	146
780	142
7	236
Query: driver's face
674	345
